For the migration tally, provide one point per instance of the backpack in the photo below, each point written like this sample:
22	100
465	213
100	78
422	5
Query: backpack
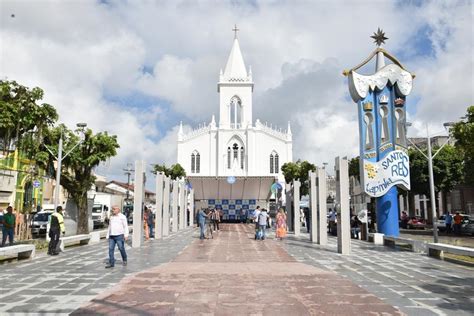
262	218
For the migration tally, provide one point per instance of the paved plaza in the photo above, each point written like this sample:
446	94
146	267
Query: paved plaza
233	274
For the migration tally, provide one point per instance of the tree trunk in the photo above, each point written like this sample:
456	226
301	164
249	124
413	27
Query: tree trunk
82	214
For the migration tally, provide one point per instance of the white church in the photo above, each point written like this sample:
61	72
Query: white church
231	164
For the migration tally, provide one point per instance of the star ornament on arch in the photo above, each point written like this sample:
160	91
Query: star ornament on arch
379	37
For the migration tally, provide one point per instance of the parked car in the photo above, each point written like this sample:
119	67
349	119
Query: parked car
468	227
441	224
40	222
416	222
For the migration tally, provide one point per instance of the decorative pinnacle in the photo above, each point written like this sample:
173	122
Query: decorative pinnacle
235	29
379	37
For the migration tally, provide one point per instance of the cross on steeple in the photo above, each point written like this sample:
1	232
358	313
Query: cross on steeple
235	29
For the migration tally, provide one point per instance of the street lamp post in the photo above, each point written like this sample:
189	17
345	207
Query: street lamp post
430	158
60	158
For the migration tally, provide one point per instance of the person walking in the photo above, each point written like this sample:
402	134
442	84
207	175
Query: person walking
117	234
457	223
262	224
202	222
281	224
8	229
55	229
151	224
448	221
146	230
215	217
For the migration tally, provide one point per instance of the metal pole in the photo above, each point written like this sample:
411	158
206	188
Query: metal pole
432	191
58	172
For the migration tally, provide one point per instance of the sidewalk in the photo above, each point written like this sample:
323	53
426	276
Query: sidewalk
233	274
61	284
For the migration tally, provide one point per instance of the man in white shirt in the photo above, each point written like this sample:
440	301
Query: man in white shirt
117	234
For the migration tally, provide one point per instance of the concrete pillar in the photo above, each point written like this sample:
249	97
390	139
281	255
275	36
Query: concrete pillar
174	206
138	204
342	206
296	207
313	207
166	206
180	204
191	208
159	205
183	206
288	203
322	207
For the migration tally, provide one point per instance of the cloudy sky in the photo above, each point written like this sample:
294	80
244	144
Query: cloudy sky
138	68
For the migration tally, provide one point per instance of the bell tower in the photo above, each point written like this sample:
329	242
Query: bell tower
235	88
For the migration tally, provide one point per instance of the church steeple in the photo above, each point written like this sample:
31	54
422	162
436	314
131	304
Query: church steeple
235	67
235	87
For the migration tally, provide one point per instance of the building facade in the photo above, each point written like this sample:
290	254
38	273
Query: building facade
235	145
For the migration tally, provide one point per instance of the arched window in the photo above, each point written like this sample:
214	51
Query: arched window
271	163
195	162
235	149
242	157
235	111
198	163
229	158
274	163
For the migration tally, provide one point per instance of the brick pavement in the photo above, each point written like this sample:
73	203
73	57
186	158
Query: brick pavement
233	274
235	263
413	282
61	284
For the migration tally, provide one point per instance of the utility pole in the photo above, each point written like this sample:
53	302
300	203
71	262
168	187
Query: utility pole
128	172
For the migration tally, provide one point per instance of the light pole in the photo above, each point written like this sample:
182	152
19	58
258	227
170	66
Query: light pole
60	158
430	158
128	172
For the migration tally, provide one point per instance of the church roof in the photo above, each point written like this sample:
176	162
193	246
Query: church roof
235	67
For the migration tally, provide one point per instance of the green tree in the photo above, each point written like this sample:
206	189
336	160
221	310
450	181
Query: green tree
22	116
354	168
298	171
76	170
176	171
447	170
463	132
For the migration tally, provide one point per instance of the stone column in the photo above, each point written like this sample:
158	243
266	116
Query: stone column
174	206
322	207
159	205
166	207
289	202
296	207
138	204
313	207
191	208
342	206
180	204
183	206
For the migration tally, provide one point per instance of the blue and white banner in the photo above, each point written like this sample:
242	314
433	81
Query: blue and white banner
380	176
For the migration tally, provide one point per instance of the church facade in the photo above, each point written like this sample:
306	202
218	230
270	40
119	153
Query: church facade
235	145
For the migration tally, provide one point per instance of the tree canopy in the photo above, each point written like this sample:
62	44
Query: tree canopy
447	170
176	171
77	168
298	171
463	132
22	115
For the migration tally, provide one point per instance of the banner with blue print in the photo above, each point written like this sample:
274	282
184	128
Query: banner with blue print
380	176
